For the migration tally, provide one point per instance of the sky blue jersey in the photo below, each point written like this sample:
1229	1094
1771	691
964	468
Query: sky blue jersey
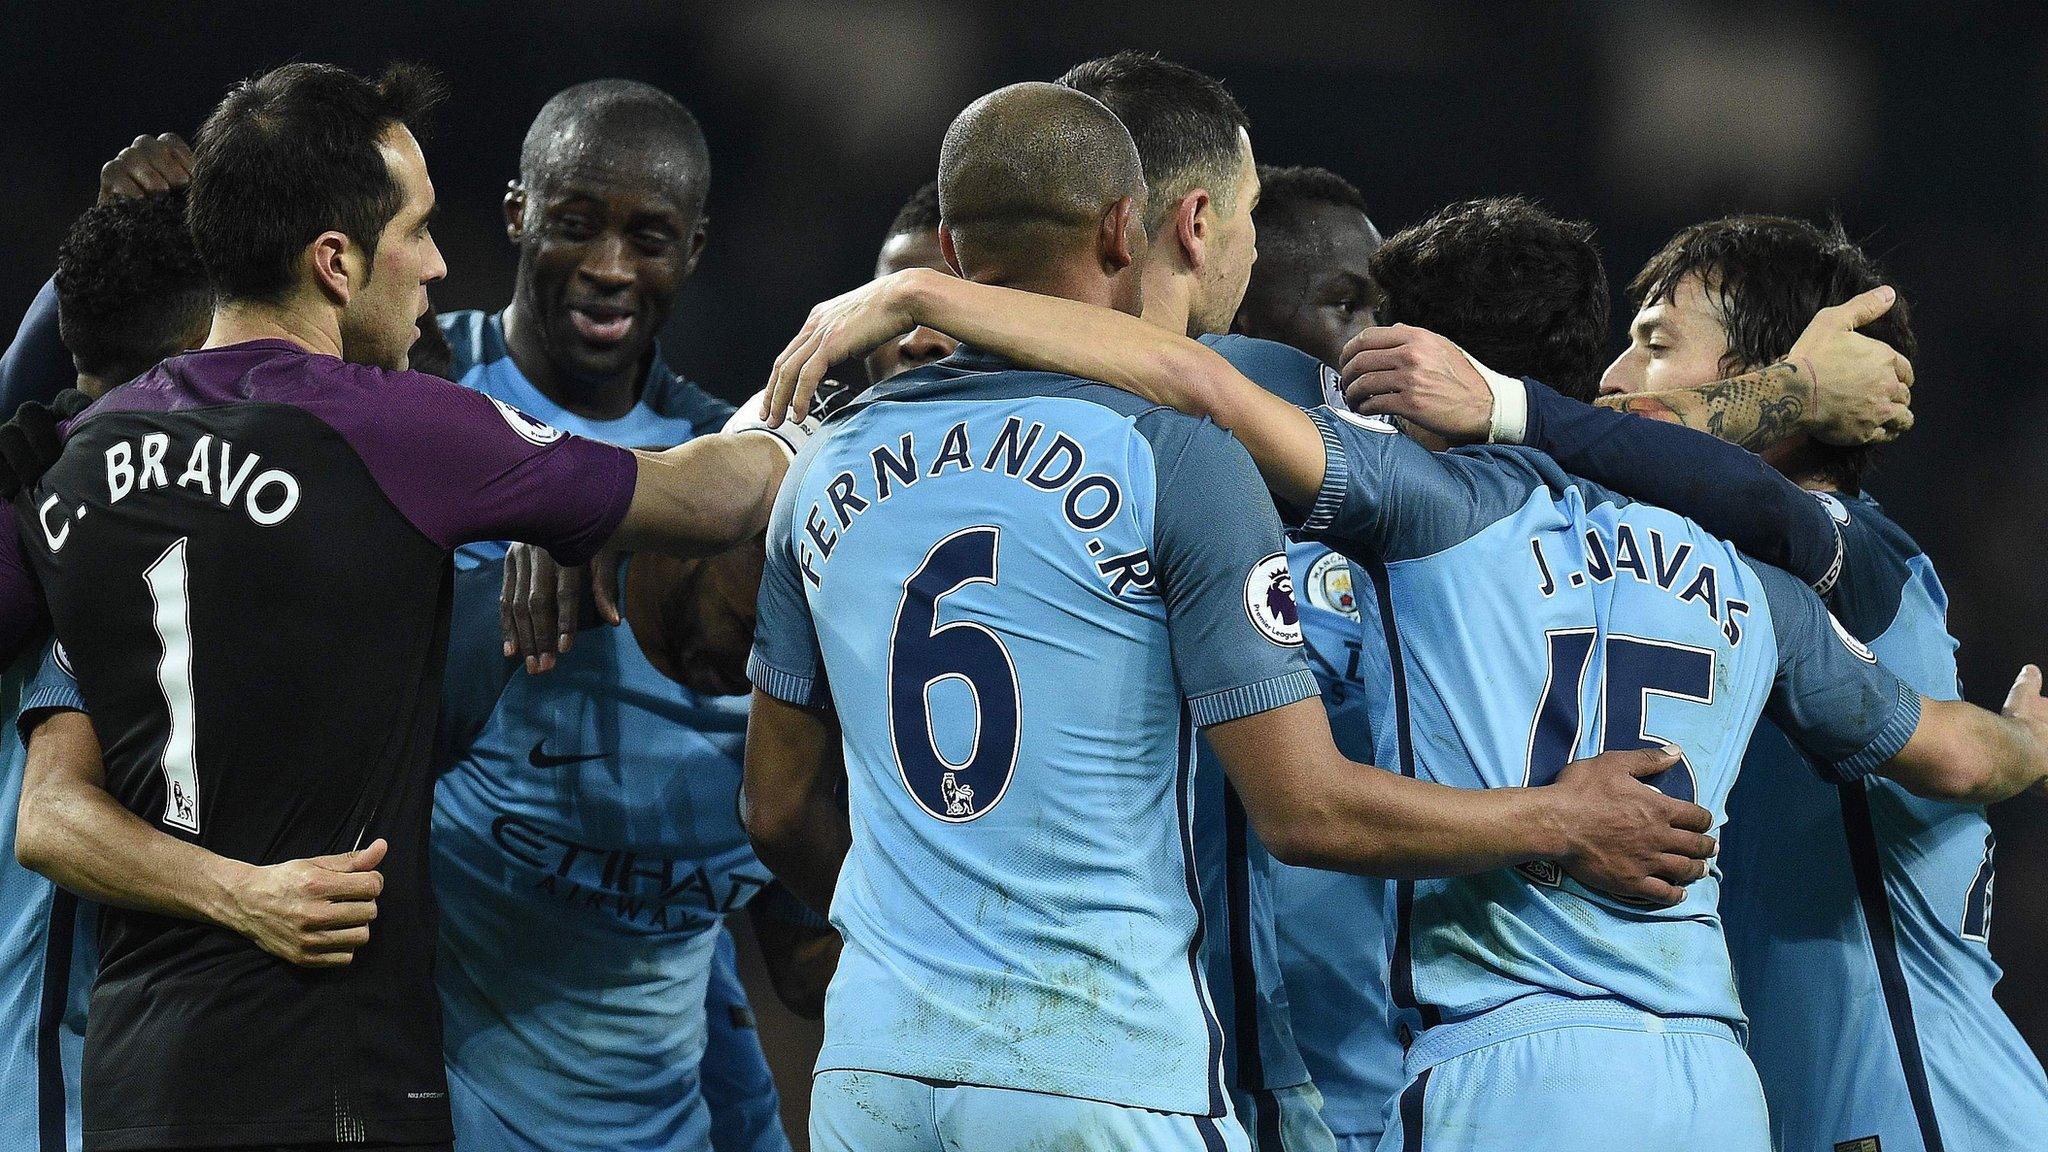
1539	618
1870	994
1240	949
586	845
1018	594
1327	928
48	951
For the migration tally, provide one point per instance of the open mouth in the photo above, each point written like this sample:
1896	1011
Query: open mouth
596	324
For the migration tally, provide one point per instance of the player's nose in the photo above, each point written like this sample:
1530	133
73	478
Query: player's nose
923	345
605	264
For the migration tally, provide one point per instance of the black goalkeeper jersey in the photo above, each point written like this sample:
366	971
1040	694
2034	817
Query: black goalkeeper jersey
246	555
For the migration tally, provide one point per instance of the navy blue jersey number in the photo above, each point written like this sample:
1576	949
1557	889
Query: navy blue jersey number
1635	671
925	655
1977	906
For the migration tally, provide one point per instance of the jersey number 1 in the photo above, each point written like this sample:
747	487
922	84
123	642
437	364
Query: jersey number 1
1636	670
924	654
172	616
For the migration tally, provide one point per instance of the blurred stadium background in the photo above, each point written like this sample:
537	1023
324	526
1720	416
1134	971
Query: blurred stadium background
1924	128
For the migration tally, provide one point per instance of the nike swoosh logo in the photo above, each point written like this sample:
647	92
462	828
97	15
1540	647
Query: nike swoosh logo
540	759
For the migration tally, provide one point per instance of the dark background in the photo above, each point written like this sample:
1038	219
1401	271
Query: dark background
1922	129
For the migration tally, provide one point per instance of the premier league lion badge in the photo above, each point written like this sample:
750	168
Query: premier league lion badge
1269	601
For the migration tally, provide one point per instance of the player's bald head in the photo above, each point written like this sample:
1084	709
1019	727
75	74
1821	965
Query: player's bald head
622	128
1033	168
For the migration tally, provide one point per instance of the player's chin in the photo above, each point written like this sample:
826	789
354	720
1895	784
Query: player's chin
595	361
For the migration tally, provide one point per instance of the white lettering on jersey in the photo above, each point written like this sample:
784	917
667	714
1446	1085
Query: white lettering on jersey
212	470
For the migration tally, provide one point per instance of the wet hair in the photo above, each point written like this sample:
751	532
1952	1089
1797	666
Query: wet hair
1184	122
130	287
291	154
1767	276
1518	288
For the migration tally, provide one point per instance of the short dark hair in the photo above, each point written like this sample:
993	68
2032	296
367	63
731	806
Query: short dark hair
920	213
1767	276
1029	167
1286	195
625	111
1185	123
291	154
129	285
1518	288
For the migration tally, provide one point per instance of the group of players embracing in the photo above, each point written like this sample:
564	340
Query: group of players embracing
1142	504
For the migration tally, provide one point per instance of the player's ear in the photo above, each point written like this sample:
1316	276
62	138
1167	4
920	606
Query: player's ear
1190	227
946	250
328	257
697	239
1121	239
515	212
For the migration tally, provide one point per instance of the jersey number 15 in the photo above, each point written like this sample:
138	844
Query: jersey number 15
1636	670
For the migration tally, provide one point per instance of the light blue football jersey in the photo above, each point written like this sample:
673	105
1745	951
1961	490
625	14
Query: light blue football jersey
586	844
1328	928
1240	948
1536	619
1334	927
1859	917
48	952
1021	593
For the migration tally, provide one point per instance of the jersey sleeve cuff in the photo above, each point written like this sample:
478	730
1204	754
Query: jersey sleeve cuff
787	687
1336	477
41	703
1251	699
1897	730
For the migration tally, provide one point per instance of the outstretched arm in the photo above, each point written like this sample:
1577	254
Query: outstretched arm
1055	335
1961	752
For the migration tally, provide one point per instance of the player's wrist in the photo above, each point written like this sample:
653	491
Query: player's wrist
225	896
1545	824
1508	415
1805	379
913	293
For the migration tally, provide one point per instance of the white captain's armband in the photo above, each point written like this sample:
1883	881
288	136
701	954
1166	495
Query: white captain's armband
792	434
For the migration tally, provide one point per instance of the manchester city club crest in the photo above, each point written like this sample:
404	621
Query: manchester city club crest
1330	587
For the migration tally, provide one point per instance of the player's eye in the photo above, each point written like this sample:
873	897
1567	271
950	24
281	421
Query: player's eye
653	243
574	228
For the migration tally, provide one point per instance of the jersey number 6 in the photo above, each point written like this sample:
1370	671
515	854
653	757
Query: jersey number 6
924	654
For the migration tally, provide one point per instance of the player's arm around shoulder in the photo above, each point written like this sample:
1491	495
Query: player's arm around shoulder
1236	644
